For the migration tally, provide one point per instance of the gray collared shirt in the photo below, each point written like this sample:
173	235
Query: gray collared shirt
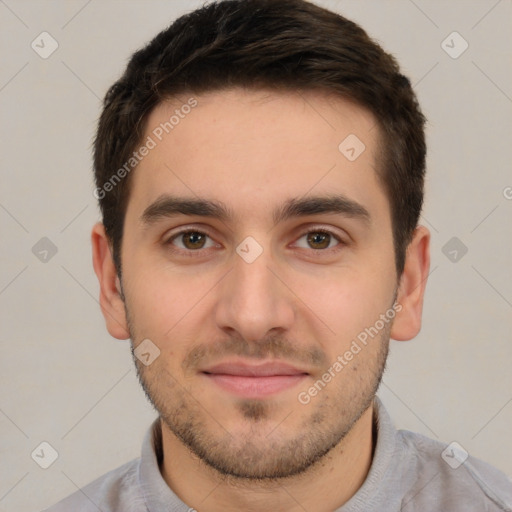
409	473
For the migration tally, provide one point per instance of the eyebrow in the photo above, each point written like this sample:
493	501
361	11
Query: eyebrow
166	206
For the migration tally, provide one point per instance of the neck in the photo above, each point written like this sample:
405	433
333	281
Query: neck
324	487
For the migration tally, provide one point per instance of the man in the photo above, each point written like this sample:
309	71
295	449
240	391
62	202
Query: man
260	167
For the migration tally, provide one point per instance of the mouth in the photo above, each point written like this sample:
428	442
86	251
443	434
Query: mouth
254	381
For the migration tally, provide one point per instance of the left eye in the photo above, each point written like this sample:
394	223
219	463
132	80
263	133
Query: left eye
319	239
191	240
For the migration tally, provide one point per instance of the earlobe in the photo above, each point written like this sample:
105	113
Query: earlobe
411	290
111	297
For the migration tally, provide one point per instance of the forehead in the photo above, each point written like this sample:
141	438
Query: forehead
252	147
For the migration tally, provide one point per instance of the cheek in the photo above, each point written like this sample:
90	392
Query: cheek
348	303
154	309
167	308
160	292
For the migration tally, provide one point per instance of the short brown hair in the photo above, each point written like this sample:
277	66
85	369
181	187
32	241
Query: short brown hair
276	44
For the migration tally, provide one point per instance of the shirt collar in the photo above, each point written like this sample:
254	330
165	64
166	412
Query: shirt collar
384	450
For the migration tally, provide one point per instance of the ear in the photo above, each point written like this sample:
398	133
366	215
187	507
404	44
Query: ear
407	323
111	301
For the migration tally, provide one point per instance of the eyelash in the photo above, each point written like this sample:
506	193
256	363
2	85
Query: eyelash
195	253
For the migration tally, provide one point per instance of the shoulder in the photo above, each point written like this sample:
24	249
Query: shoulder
117	490
446	475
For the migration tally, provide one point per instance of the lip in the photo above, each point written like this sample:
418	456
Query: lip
254	381
242	369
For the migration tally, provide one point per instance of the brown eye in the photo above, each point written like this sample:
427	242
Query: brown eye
193	240
190	240
319	240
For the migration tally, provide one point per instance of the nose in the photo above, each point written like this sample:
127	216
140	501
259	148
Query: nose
254	300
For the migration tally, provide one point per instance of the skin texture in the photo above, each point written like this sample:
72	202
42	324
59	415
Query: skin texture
302	301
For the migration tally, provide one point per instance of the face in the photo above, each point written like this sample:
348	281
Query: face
257	293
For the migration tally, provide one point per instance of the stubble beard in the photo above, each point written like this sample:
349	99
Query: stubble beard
327	420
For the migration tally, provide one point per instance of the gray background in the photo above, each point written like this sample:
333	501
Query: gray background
67	382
